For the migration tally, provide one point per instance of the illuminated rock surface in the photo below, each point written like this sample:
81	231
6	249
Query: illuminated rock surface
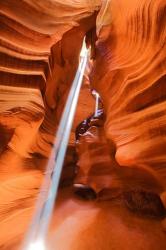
132	85
121	156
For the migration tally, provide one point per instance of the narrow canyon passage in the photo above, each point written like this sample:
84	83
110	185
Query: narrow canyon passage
112	193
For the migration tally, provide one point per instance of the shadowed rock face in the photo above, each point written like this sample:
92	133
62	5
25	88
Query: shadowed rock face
99	173
96	163
122	156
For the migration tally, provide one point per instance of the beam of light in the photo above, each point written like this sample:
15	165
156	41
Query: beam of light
48	193
97	101
97	104
37	245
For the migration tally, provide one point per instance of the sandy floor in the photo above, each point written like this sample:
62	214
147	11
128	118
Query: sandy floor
86	225
81	225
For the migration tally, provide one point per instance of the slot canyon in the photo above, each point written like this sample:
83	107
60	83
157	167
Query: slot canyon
112	192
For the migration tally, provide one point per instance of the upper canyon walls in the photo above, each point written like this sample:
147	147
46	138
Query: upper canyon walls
39	55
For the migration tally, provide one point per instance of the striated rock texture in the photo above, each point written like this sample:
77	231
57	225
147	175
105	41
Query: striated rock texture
121	156
129	73
100	176
40	42
38	53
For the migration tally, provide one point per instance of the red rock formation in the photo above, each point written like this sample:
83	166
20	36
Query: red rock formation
96	161
38	60
131	82
122	158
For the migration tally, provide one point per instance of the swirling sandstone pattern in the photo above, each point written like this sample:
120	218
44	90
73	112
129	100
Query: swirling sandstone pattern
40	43
131	49
35	56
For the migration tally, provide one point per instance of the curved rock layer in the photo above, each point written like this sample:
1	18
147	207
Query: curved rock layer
40	44
38	52
121	156
99	175
132	83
